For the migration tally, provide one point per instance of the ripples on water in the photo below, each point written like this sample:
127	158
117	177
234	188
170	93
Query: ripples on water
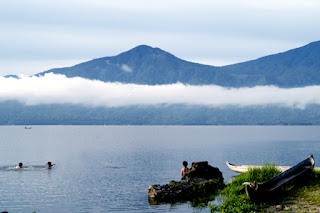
24	168
109	168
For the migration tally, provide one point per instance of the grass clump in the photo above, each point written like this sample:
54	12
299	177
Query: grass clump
305	192
309	189
236	199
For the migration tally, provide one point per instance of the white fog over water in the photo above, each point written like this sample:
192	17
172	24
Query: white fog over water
58	89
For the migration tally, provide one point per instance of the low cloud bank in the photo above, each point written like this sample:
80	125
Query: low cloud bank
58	89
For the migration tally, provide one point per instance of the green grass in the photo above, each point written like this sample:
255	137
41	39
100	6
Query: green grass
307	189
236	199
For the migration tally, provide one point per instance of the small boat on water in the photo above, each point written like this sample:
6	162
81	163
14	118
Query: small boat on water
27	127
262	190
245	168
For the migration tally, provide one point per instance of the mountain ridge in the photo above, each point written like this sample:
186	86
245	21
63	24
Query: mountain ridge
303	62
147	65
141	65
16	113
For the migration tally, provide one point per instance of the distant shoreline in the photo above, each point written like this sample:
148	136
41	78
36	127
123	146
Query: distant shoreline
155	125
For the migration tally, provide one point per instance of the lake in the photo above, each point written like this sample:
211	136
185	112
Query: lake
109	168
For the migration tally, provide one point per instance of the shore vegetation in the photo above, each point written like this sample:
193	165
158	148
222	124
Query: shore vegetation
288	198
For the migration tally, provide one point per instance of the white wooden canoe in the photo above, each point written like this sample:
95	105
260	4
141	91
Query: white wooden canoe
245	168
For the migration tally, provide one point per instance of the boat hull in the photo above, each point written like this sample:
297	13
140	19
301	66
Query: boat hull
263	190
245	168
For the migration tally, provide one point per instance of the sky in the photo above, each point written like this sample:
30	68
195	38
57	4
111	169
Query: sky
37	35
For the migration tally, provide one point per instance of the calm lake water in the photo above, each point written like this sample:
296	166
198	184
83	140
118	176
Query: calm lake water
109	168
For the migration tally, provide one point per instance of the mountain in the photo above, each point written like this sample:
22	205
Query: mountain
15	113
11	76
294	68
146	65
143	65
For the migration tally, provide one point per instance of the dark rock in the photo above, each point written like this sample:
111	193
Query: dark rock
203	170
201	181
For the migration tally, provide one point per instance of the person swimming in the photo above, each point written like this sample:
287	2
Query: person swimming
49	165
185	168
19	165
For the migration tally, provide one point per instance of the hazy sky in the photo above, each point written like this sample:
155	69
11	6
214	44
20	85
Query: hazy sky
58	89
37	35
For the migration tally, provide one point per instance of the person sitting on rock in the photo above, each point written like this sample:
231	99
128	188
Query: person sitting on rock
184	168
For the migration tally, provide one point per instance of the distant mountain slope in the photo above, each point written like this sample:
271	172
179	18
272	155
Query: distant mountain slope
143	65
147	65
294	68
15	113
11	76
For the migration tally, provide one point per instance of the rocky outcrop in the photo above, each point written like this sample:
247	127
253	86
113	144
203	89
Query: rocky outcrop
203	170
174	190
201	181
